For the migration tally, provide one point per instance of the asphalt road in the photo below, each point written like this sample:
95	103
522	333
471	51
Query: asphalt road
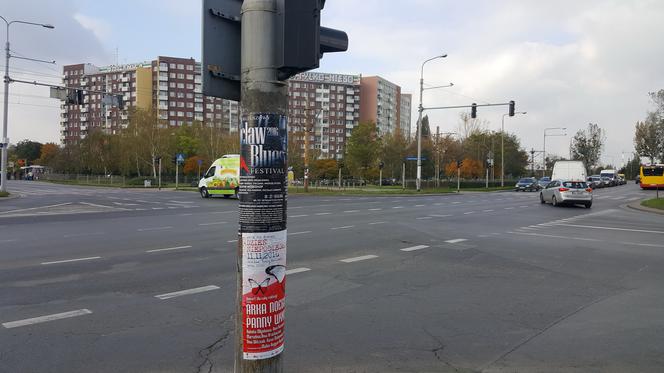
116	280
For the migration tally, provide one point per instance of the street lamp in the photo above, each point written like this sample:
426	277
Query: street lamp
5	141
502	147
544	148
420	109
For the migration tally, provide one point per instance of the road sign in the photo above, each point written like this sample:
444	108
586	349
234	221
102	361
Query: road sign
413	158
200	162
180	158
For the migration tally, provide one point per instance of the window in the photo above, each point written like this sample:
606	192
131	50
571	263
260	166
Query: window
190	86
171	85
171	104
180	114
180	76
180	104
190	67
171	75
180	85
190	76
180	66
171	65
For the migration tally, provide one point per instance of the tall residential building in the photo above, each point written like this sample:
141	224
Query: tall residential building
406	114
169	85
328	106
381	104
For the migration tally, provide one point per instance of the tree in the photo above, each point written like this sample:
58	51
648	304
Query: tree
647	138
587	145
393	151
362	149
469	126
48	154
28	150
191	166
324	169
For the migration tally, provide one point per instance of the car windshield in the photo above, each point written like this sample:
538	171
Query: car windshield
575	184
526	180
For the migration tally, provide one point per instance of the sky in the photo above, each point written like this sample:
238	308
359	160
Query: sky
566	63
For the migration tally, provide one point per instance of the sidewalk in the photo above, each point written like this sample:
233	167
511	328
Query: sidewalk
637	206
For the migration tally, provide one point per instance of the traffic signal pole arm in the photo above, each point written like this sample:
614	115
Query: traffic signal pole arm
463	106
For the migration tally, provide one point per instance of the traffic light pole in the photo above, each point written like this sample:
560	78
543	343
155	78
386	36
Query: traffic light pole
261	285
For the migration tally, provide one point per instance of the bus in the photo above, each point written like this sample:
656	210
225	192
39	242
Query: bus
652	177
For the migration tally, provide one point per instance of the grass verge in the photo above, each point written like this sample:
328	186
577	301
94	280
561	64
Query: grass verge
655	203
4	194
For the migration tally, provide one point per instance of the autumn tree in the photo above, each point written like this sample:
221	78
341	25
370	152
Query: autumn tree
48	154
362	149
587	145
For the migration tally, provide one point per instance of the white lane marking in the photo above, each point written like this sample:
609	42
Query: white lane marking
296	207
344	227
102	206
456	240
298	216
41	319
610	228
186	214
413	248
617	198
10	240
523	207
157	208
509	208
82	234
359	258
34	208
556	236
72	260
180	201
120	204
298	233
297	270
231	241
642	244
140	209
441	216
488	210
455	203
469	212
213	223
220	212
377	222
349	211
420	205
168	249
187	292
424	218
375	209
440	203
323	213
154	229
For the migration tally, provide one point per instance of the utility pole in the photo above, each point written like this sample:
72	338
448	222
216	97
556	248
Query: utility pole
177	169
159	172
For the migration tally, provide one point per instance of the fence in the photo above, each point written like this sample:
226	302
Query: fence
119	180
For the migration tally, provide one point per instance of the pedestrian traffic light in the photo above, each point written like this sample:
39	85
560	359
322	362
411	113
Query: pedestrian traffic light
511	111
459	163
381	165
473	111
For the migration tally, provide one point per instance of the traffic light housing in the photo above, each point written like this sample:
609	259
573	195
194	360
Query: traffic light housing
75	97
473	110
459	163
511	110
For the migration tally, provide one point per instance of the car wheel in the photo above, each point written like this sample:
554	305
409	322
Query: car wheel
588	205
542	201
554	201
227	196
204	192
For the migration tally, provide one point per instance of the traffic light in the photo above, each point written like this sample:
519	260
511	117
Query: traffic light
381	165
459	163
511	112
75	97
473	111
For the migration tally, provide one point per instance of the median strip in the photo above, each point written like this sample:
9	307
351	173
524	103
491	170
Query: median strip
42	319
72	260
187	292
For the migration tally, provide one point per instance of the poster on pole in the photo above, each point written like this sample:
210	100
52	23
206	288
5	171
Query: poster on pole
263	191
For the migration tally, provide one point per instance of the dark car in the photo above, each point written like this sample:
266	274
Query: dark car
543	182
595	182
527	184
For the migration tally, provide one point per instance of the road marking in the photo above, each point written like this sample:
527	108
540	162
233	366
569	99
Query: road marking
377	222
344	227
375	209
359	258
41	319
456	240
349	211
397	207
213	223
298	216
102	206
440	203
298	233
154	229
420	205
180	201
220	212
555	236
168	249
509	208
231	241
72	260
297	270
187	292
455	203
633	198
413	248
323	213
186	214
82	234
157	208
40	207
610	228
424	218
523	207
140	209
441	216
488	210
642	244
10	240
469	212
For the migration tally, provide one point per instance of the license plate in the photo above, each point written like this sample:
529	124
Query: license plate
576	192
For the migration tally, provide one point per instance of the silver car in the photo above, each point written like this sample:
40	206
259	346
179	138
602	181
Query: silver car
573	192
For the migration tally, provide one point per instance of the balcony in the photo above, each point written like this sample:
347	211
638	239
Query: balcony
84	109
163	77
83	127
84	118
124	116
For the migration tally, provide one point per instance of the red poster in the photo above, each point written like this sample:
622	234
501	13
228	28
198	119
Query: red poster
263	294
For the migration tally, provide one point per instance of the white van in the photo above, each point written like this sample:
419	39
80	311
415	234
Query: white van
612	175
222	178
569	170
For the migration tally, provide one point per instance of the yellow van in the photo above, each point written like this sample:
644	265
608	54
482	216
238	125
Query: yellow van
222	178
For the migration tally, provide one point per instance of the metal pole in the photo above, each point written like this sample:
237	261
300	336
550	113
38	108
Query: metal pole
380	178
339	177
543	155
487	177
159	173
418	181
403	175
262	217
4	140
437	157
502	152
458	179
177	168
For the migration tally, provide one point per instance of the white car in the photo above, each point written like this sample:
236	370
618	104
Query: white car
572	192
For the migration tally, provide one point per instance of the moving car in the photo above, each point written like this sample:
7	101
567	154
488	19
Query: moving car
222	178
614	180
569	170
572	192
595	182
527	184
543	182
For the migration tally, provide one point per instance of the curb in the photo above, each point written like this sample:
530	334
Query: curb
637	206
11	196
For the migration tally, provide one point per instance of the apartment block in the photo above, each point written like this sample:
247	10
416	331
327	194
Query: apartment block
381	104
405	113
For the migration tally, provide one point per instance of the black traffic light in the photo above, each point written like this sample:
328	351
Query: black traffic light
511	111
473	111
381	165
75	97
459	163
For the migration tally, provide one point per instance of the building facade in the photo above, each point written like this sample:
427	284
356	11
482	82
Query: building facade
325	107
171	86
406	112
381	104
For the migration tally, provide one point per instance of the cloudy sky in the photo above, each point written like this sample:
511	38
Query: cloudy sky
566	63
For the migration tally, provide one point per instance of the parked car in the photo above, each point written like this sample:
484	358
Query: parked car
572	192
595	182
543	182
527	184
607	181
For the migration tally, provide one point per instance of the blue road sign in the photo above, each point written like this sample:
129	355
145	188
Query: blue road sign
180	158
410	158
200	162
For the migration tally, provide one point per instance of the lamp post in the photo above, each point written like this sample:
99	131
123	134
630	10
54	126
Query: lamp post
420	109
502	147
544	147
5	141
438	133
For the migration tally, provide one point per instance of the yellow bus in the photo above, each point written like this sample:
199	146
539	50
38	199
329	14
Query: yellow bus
652	177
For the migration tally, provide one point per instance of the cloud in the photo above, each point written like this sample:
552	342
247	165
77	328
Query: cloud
100	28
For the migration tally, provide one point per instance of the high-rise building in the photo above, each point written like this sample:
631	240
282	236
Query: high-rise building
326	105
406	114
381	104
171	86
